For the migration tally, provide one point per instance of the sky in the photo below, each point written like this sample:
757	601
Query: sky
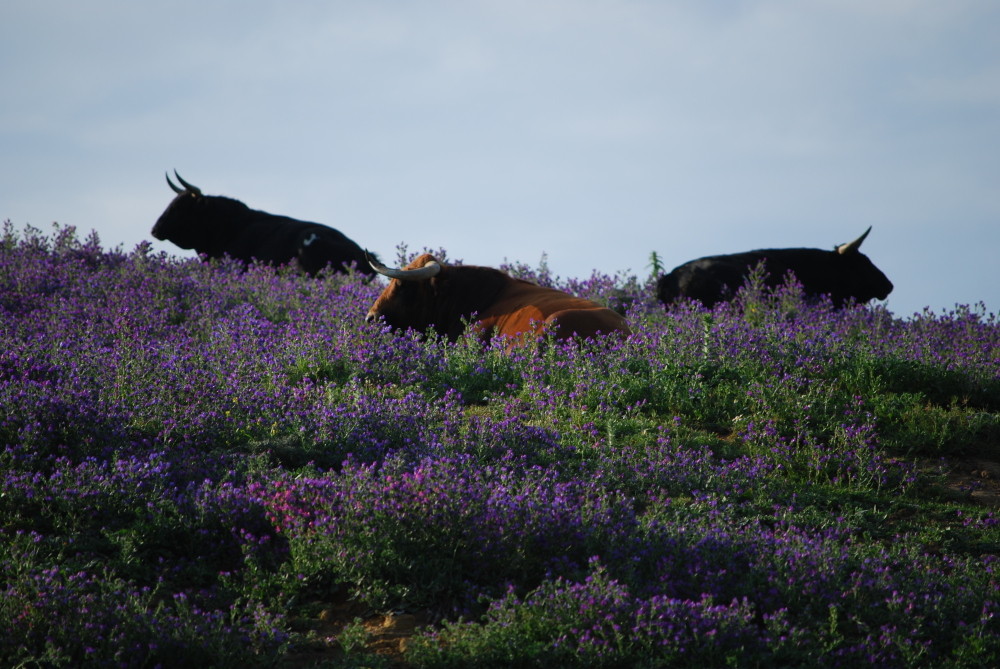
589	133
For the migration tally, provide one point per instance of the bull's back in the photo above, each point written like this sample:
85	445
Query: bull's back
529	308
269	238
587	323
706	279
716	278
279	239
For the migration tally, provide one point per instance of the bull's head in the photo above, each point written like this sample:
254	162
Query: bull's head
180	222
858	277
410	299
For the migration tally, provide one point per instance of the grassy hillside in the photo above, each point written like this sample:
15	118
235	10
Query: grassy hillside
206	466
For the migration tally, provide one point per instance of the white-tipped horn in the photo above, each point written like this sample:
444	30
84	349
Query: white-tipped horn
851	247
427	271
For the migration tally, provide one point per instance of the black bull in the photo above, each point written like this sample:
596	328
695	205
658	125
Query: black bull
217	226
843	273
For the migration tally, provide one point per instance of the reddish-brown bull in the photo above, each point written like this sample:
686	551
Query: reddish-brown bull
427	294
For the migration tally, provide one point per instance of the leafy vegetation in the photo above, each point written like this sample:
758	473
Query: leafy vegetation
198	460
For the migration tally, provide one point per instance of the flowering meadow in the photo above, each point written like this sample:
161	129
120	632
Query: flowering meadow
198	458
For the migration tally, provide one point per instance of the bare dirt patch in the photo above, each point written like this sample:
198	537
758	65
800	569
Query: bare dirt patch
386	634
973	479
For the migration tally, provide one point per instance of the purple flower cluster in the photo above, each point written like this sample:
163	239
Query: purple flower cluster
598	622
752	595
453	527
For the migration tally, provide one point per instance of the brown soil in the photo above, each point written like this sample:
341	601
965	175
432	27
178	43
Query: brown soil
973	479
387	634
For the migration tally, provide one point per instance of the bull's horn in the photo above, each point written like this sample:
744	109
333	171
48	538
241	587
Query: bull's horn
174	187
427	271
851	247
193	189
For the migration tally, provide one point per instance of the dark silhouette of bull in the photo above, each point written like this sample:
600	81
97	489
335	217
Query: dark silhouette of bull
843	273
427	294
218	226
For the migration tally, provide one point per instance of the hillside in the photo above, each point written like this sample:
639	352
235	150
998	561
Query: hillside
210	466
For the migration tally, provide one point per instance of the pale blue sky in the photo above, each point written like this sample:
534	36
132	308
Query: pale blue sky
594	132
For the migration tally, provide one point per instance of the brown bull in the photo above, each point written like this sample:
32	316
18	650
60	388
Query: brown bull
428	294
